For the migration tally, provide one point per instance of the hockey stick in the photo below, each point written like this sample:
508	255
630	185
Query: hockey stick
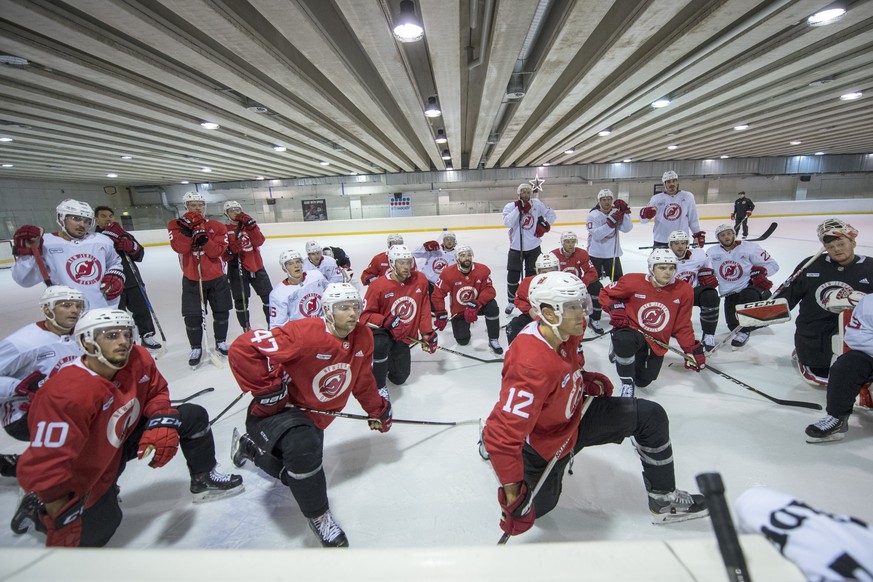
690	360
712	488
242	283
764	236
192	397
542	481
439	347
228	407
216	361
393	420
145	295
40	264
740	225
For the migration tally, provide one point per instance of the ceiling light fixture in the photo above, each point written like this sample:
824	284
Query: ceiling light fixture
547	163
449	167
741	127
604	132
324	163
441	137
209	125
184	182
724	157
279	148
819	153
259	177
206	169
6	139
446	155
7	166
353	173
569	151
662	102
795	142
408	26
13	60
827	16
432	109
627	160
672	147
851	96
111	175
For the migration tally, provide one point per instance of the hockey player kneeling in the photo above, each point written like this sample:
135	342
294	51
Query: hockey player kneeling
315	363
542	414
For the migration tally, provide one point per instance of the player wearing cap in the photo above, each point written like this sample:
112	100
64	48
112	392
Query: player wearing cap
673	209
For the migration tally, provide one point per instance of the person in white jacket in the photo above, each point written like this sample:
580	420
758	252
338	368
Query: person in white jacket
604	222
527	219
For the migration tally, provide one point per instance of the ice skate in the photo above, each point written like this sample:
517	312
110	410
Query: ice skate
741	339
27	515
242	449
221	347
828	429
194	358
494	344
595	326
627	388
8	465
509	308
213	485
676	506
150	343
708	341
482	452
329	533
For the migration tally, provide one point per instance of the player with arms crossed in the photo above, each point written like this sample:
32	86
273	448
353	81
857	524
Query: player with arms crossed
74	256
658	304
316	364
672	209
542	392
244	237
695	268
604	223
299	294
96	414
572	259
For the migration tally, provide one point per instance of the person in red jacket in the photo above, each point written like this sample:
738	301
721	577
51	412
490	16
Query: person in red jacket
545	263
657	304
550	407
469	285
397	309
243	239
575	260
201	244
379	264
295	371
87	421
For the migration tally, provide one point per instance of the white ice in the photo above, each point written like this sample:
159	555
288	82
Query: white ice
425	486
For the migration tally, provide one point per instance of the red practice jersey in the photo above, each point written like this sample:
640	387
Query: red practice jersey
379	266
252	238
579	264
660	312
211	254
540	403
522	295
474	287
320	370
79	422
407	300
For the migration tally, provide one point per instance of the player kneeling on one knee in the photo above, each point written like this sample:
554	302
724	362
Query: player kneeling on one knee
293	372
540	415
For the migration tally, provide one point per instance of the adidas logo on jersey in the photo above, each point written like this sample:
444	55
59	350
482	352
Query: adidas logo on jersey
676	301
865	281
109	403
145	378
359	354
322	356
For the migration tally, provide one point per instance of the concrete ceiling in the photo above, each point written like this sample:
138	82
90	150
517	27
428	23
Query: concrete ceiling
327	80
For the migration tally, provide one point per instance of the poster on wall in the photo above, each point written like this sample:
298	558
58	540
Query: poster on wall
659	188
400	206
314	210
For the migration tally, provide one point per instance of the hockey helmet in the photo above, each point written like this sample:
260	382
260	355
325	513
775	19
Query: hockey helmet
569	235
449	234
836	228
723	227
556	289
312	246
57	293
606	192
546	262
679	236
70	207
287	256
464	250
398	252
661	257
523	186
669	175
99	319
327	251
394	239
192	197
336	293
232	204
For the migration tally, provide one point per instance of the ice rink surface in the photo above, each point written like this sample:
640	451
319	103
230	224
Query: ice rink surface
427	486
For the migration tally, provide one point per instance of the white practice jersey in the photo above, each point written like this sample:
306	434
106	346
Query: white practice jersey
602	243
524	239
677	212
327	267
78	263
732	267
859	331
826	547
29	349
434	262
687	268
289	302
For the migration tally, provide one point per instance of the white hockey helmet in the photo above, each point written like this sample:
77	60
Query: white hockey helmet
556	289
524	186
679	236
836	228
394	239
327	251
569	235
287	256
98	319
57	293
464	250
723	227
336	293
606	192
661	257
192	197
70	207
449	234
232	204
546	262
312	246
669	175
398	252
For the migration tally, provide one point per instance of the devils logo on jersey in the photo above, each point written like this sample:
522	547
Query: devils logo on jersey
823	289
466	294
404	308
687	276
310	305
247	242
672	211
527	222
331	382
61	363
84	269
575	395
439	264
730	271
653	316
122	421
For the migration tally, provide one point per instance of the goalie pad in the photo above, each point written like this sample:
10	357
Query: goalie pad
761	313
839	300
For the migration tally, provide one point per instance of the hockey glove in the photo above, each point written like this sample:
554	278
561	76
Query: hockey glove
615	217
430	342
699	358
701	238
840	299
397	328
235	246
126	245
431	246
733	216
748	213
471	313
513	520
115	229
245	220
648	212
192	220
24	238
706	278
596	384
383	422
618	316
161	436
758	278
64	529
542	227
28	386
620	204
111	286
523	207
199	236
441	318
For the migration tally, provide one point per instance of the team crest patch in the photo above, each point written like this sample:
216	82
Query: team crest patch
84	269
331	382
653	316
